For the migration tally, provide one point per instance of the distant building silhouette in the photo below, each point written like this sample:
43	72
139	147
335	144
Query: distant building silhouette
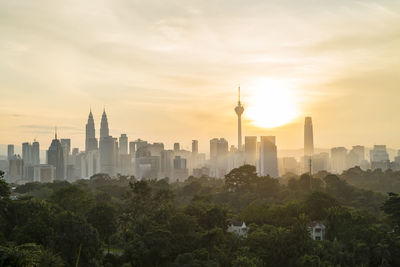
219	150
15	169
104	131
55	157
177	147
308	144
195	146
268	157
123	144
10	152
91	141
239	109
250	150
379	158
35	150
308	137
338	159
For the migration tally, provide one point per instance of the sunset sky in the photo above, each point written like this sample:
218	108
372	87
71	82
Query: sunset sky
169	70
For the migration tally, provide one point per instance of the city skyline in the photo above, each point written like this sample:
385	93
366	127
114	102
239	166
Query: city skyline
162	75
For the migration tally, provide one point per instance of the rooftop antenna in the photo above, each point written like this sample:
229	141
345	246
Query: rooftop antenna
55	132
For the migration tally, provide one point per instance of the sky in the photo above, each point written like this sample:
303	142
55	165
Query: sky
169	70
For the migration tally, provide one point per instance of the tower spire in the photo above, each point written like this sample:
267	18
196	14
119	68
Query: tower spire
239	109
239	94
55	133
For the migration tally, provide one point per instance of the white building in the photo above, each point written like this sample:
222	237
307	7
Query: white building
240	230
317	231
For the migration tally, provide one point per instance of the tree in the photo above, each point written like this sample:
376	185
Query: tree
103	217
392	208
240	179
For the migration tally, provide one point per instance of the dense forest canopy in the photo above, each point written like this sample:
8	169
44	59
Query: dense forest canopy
121	221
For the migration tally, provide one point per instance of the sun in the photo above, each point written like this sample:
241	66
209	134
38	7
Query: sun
272	103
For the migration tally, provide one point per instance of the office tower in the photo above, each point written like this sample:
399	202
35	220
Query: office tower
239	109
35	153
10	152
167	163
104	132
27	153
219	150
91	141
177	147
44	173
268	157
356	156
320	162
250	150
55	157
132	148
180	168
123	144
308	137
66	143
195	146
379	158
338	159
290	165
15	169
108	155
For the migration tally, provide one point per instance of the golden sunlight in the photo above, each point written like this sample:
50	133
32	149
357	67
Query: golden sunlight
272	103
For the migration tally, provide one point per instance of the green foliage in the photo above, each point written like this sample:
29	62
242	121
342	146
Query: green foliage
125	222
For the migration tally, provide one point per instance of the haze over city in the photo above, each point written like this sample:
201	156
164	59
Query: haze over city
168	72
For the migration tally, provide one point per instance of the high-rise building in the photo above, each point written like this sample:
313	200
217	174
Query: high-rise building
44	173
356	156
268	157
108	155
10	152
289	165
104	132
219	150
239	109
91	141
195	146
27	153
55	157
379	158
250	150
35	153
15	169
338	159
177	147
308	137
123	144
320	162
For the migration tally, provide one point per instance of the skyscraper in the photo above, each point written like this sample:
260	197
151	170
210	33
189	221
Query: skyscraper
239	109
195	146
35	153
219	150
10	152
104	132
27	153
123	144
177	147
91	141
268	157
250	150
55	157
308	137
338	159
108	155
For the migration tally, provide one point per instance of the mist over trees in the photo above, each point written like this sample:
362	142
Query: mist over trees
121	221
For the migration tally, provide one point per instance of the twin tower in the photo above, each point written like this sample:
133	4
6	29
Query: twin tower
91	142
